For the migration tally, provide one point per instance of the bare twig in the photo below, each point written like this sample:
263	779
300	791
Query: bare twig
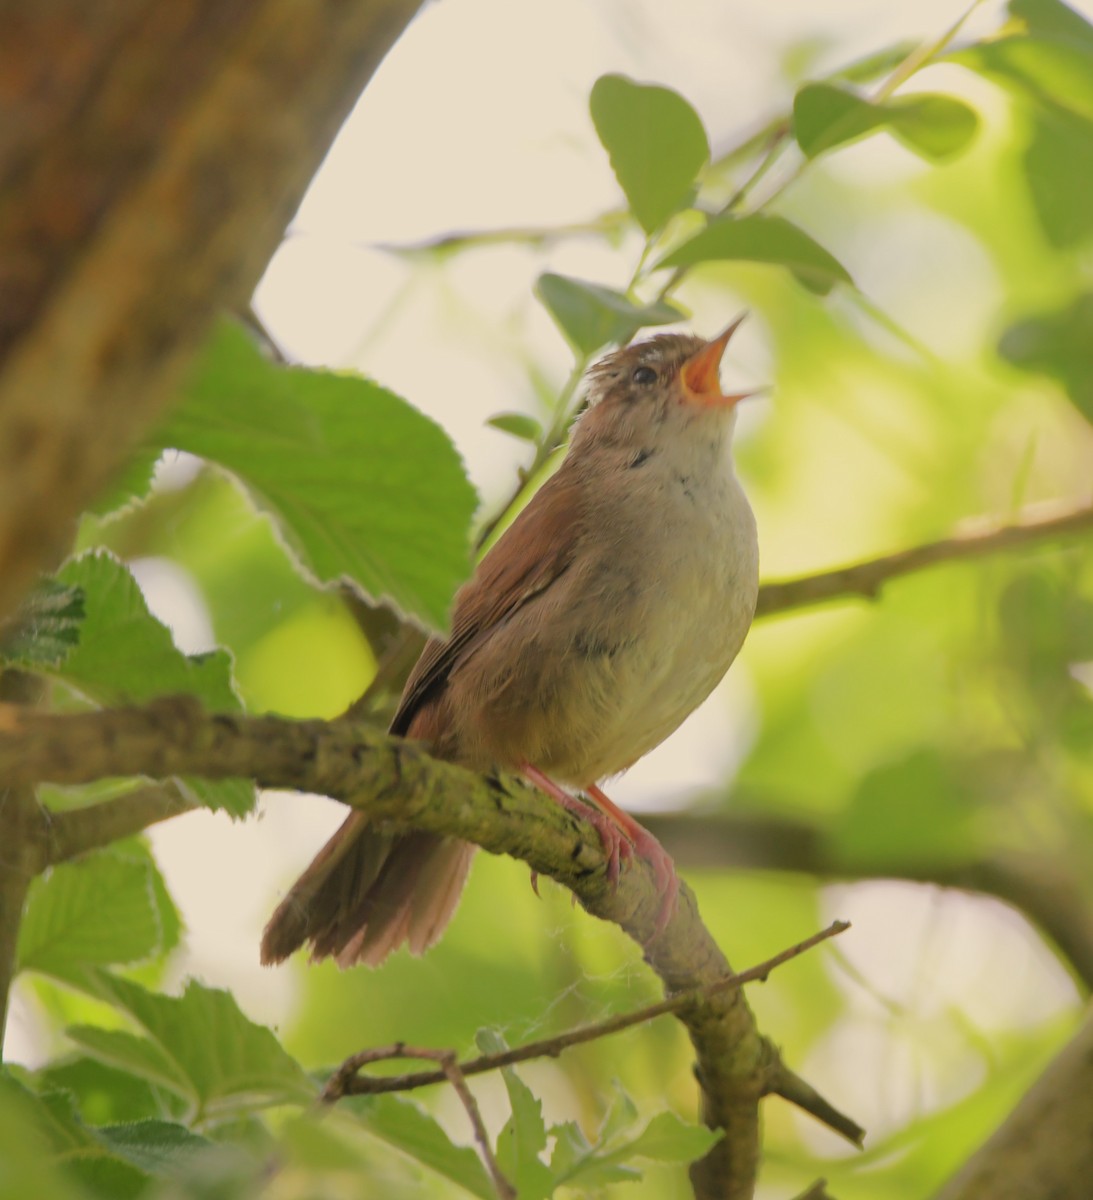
866	579
451	1071
346	1081
783	1082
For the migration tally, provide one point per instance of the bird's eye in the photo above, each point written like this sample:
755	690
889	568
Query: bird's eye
644	375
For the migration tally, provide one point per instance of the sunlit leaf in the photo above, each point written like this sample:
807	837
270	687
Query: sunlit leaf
517	425
109	908
1049	72
762	239
361	485
826	116
656	142
592	316
200	1045
126	656
668	1138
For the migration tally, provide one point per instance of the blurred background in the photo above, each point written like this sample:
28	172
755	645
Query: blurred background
860	755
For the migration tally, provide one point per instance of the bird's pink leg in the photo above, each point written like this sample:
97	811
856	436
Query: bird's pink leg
651	850
615	844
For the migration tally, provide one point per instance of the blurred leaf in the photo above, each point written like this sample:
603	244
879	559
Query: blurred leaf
519	425
621	1114
1048	72
914	810
107	908
104	1176
1054	20
766	240
1046	626
576	1162
27	1171
402	1124
1057	345
524	1136
103	1094
43	632
592	317
200	1045
126	656
156	1147
826	116
656	142
361	485
1058	167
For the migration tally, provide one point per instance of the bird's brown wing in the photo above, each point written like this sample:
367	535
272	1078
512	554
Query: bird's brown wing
535	550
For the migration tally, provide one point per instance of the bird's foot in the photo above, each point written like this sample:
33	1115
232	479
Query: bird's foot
647	847
617	845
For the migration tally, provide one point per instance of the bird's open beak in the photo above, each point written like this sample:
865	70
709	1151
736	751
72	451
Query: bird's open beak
701	372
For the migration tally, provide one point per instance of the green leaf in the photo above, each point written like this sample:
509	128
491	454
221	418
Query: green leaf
668	1138
762	239
401	1124
155	1147
1058	166
45	629
134	1055
826	116
126	656
1058	73
130	485
108	908
524	1136
577	1163
912	810
361	485
200	1045
1053	20
656	142
591	316
876	63
26	1167
518	425
1057	344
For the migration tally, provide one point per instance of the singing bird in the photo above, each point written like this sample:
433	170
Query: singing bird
602	617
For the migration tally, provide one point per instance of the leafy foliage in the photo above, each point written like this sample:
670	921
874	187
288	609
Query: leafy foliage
941	733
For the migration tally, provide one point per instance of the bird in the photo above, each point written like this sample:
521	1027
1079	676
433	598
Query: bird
601	618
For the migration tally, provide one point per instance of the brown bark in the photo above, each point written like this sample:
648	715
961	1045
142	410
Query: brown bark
150	157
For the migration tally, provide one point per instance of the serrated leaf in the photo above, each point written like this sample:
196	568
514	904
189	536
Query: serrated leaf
591	316
524	1136
108	908
202	1047
577	1163
1058	73
826	115
46	628
131	484
126	656
621	1114
668	1138
360	484
400	1123
656	142
1057	344
766	240
517	425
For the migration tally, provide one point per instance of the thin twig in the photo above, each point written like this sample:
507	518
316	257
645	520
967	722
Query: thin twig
450	1070
346	1081
790	1086
868	577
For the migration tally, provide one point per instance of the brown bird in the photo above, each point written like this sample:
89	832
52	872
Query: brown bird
603	616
